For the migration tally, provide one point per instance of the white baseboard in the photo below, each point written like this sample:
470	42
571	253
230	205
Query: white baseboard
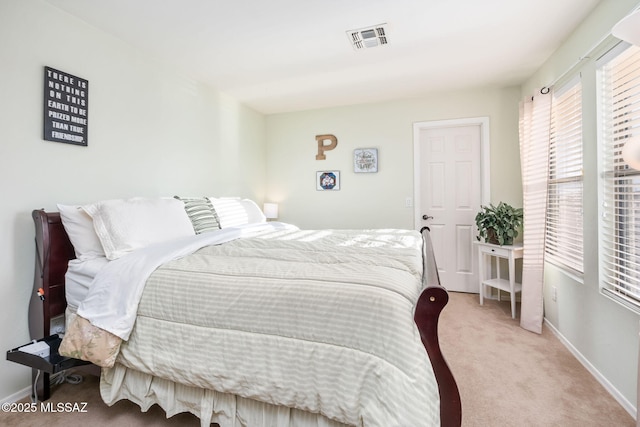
628	406
19	395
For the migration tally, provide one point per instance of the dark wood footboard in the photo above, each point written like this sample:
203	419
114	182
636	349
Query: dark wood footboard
431	302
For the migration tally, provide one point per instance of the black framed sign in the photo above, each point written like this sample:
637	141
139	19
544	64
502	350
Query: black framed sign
66	107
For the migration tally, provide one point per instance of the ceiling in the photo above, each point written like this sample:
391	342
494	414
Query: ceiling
289	55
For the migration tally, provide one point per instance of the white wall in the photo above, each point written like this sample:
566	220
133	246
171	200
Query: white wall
601	332
152	131
378	199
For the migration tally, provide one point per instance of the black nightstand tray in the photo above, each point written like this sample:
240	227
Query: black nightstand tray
51	364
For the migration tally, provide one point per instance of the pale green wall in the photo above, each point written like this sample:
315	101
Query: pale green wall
378	199
601	331
155	132
152	132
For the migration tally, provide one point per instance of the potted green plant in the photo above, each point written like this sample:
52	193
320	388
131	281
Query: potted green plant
499	224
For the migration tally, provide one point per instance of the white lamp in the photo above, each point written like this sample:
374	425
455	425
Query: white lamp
628	29
270	210
631	152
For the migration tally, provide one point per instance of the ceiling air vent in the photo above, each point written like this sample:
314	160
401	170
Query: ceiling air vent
365	38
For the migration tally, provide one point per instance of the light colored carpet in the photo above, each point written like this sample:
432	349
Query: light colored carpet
506	375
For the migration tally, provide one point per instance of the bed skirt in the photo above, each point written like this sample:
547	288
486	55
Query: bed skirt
227	410
120	382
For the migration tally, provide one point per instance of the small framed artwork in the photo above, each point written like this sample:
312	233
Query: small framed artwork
365	160
327	180
66	106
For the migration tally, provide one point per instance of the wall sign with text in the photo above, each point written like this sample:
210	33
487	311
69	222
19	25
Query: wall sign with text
66	106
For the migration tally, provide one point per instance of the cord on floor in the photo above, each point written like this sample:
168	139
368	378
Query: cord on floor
56	379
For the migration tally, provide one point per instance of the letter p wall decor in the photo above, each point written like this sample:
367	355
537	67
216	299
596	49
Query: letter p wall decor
322	147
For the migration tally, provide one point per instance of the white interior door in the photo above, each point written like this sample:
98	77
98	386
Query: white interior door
449	193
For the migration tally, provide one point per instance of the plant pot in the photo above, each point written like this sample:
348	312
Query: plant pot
492	237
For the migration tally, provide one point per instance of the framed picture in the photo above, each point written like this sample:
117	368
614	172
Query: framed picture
327	180
66	106
365	160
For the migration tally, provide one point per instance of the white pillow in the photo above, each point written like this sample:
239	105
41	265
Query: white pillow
234	211
126	225
79	227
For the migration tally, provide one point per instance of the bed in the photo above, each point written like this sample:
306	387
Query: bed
270	345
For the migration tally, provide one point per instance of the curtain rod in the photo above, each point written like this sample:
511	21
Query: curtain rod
545	89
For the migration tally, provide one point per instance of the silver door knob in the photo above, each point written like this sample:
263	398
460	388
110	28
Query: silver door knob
426	217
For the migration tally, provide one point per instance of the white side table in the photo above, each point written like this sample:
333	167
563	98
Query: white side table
510	252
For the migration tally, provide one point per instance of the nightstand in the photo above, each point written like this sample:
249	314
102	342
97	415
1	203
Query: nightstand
43	367
487	251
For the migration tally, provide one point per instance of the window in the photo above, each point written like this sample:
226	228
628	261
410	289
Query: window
619	109
564	200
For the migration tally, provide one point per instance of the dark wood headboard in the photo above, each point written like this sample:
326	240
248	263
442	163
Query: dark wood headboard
53	252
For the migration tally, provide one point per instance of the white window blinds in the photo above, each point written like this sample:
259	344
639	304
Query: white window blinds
564	207
619	79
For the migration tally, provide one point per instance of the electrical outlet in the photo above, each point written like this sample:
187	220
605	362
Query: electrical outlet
57	329
554	293
57	325
408	202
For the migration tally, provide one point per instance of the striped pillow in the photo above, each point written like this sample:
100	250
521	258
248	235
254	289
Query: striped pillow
201	213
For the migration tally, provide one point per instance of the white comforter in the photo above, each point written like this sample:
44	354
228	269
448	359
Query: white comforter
112	301
321	321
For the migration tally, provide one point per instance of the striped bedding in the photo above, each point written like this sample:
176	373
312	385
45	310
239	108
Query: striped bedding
321	321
